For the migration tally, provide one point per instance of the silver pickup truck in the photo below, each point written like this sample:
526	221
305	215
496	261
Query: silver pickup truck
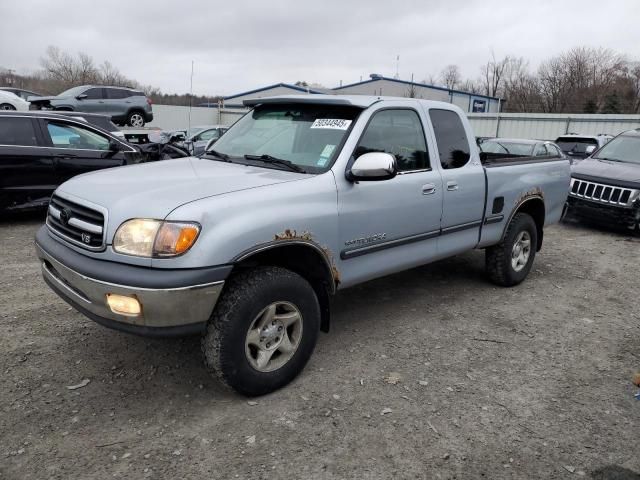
303	196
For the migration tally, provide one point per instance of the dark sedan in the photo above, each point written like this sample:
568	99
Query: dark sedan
39	150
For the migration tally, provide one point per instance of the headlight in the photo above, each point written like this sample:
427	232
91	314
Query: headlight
154	238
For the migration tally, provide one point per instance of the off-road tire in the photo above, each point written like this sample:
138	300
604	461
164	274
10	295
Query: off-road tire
245	295
498	258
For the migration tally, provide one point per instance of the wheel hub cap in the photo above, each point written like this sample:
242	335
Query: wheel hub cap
274	336
521	251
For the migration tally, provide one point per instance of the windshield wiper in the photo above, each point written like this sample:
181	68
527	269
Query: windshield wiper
222	156
276	161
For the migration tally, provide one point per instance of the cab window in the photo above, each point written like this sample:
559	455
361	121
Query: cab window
400	133
453	144
64	135
94	94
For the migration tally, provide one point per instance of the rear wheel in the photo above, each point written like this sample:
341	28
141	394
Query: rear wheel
6	106
509	262
135	119
262	331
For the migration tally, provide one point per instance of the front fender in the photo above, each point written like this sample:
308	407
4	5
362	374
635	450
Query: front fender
236	223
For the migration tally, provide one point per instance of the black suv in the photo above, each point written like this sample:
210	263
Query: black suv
39	150
606	186
125	106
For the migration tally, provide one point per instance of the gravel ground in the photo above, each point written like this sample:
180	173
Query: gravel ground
432	373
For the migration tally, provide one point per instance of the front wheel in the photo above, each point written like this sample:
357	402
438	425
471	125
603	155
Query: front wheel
262	331
509	262
6	106
135	119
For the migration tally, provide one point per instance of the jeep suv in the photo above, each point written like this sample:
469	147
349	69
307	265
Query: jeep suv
124	105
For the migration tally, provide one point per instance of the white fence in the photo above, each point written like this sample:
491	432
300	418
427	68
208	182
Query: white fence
549	126
173	117
545	126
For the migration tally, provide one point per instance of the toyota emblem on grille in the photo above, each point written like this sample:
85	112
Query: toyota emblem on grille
65	216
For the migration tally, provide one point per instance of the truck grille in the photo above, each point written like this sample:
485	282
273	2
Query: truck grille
76	223
599	192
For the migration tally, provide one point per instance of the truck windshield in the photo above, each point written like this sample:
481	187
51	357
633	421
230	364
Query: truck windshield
625	148
576	147
307	136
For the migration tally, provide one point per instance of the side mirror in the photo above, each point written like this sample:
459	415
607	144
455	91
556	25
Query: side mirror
373	166
82	96
590	149
114	146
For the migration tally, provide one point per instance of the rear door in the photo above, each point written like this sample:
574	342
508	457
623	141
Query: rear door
117	100
78	148
27	175
463	182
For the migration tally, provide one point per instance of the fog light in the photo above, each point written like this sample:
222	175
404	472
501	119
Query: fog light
123	305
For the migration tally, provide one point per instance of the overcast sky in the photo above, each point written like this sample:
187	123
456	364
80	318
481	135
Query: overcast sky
240	45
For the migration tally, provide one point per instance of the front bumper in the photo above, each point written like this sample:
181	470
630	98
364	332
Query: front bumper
174	302
613	216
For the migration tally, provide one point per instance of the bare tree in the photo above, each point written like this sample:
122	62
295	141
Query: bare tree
110	75
492	74
66	70
450	76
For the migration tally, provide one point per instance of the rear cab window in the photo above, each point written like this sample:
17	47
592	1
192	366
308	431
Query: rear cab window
17	131
575	145
451	138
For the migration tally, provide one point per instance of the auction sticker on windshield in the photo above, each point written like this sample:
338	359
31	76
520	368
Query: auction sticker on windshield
332	123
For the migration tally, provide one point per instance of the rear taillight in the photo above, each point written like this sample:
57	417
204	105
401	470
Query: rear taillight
149	101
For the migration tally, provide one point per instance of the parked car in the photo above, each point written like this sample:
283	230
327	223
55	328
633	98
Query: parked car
10	101
202	140
498	147
301	197
23	94
605	188
125	106
39	150
578	146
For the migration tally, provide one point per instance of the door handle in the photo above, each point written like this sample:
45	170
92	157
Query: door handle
452	186
428	189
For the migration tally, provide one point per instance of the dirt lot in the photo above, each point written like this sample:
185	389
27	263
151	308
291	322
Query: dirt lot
477	381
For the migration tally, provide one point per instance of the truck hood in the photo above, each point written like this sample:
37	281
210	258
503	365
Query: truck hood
153	190
607	170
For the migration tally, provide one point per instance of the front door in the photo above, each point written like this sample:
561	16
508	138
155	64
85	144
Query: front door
94	102
79	149
387	226
27	175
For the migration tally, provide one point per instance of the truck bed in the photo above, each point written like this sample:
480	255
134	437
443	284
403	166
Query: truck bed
513	180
